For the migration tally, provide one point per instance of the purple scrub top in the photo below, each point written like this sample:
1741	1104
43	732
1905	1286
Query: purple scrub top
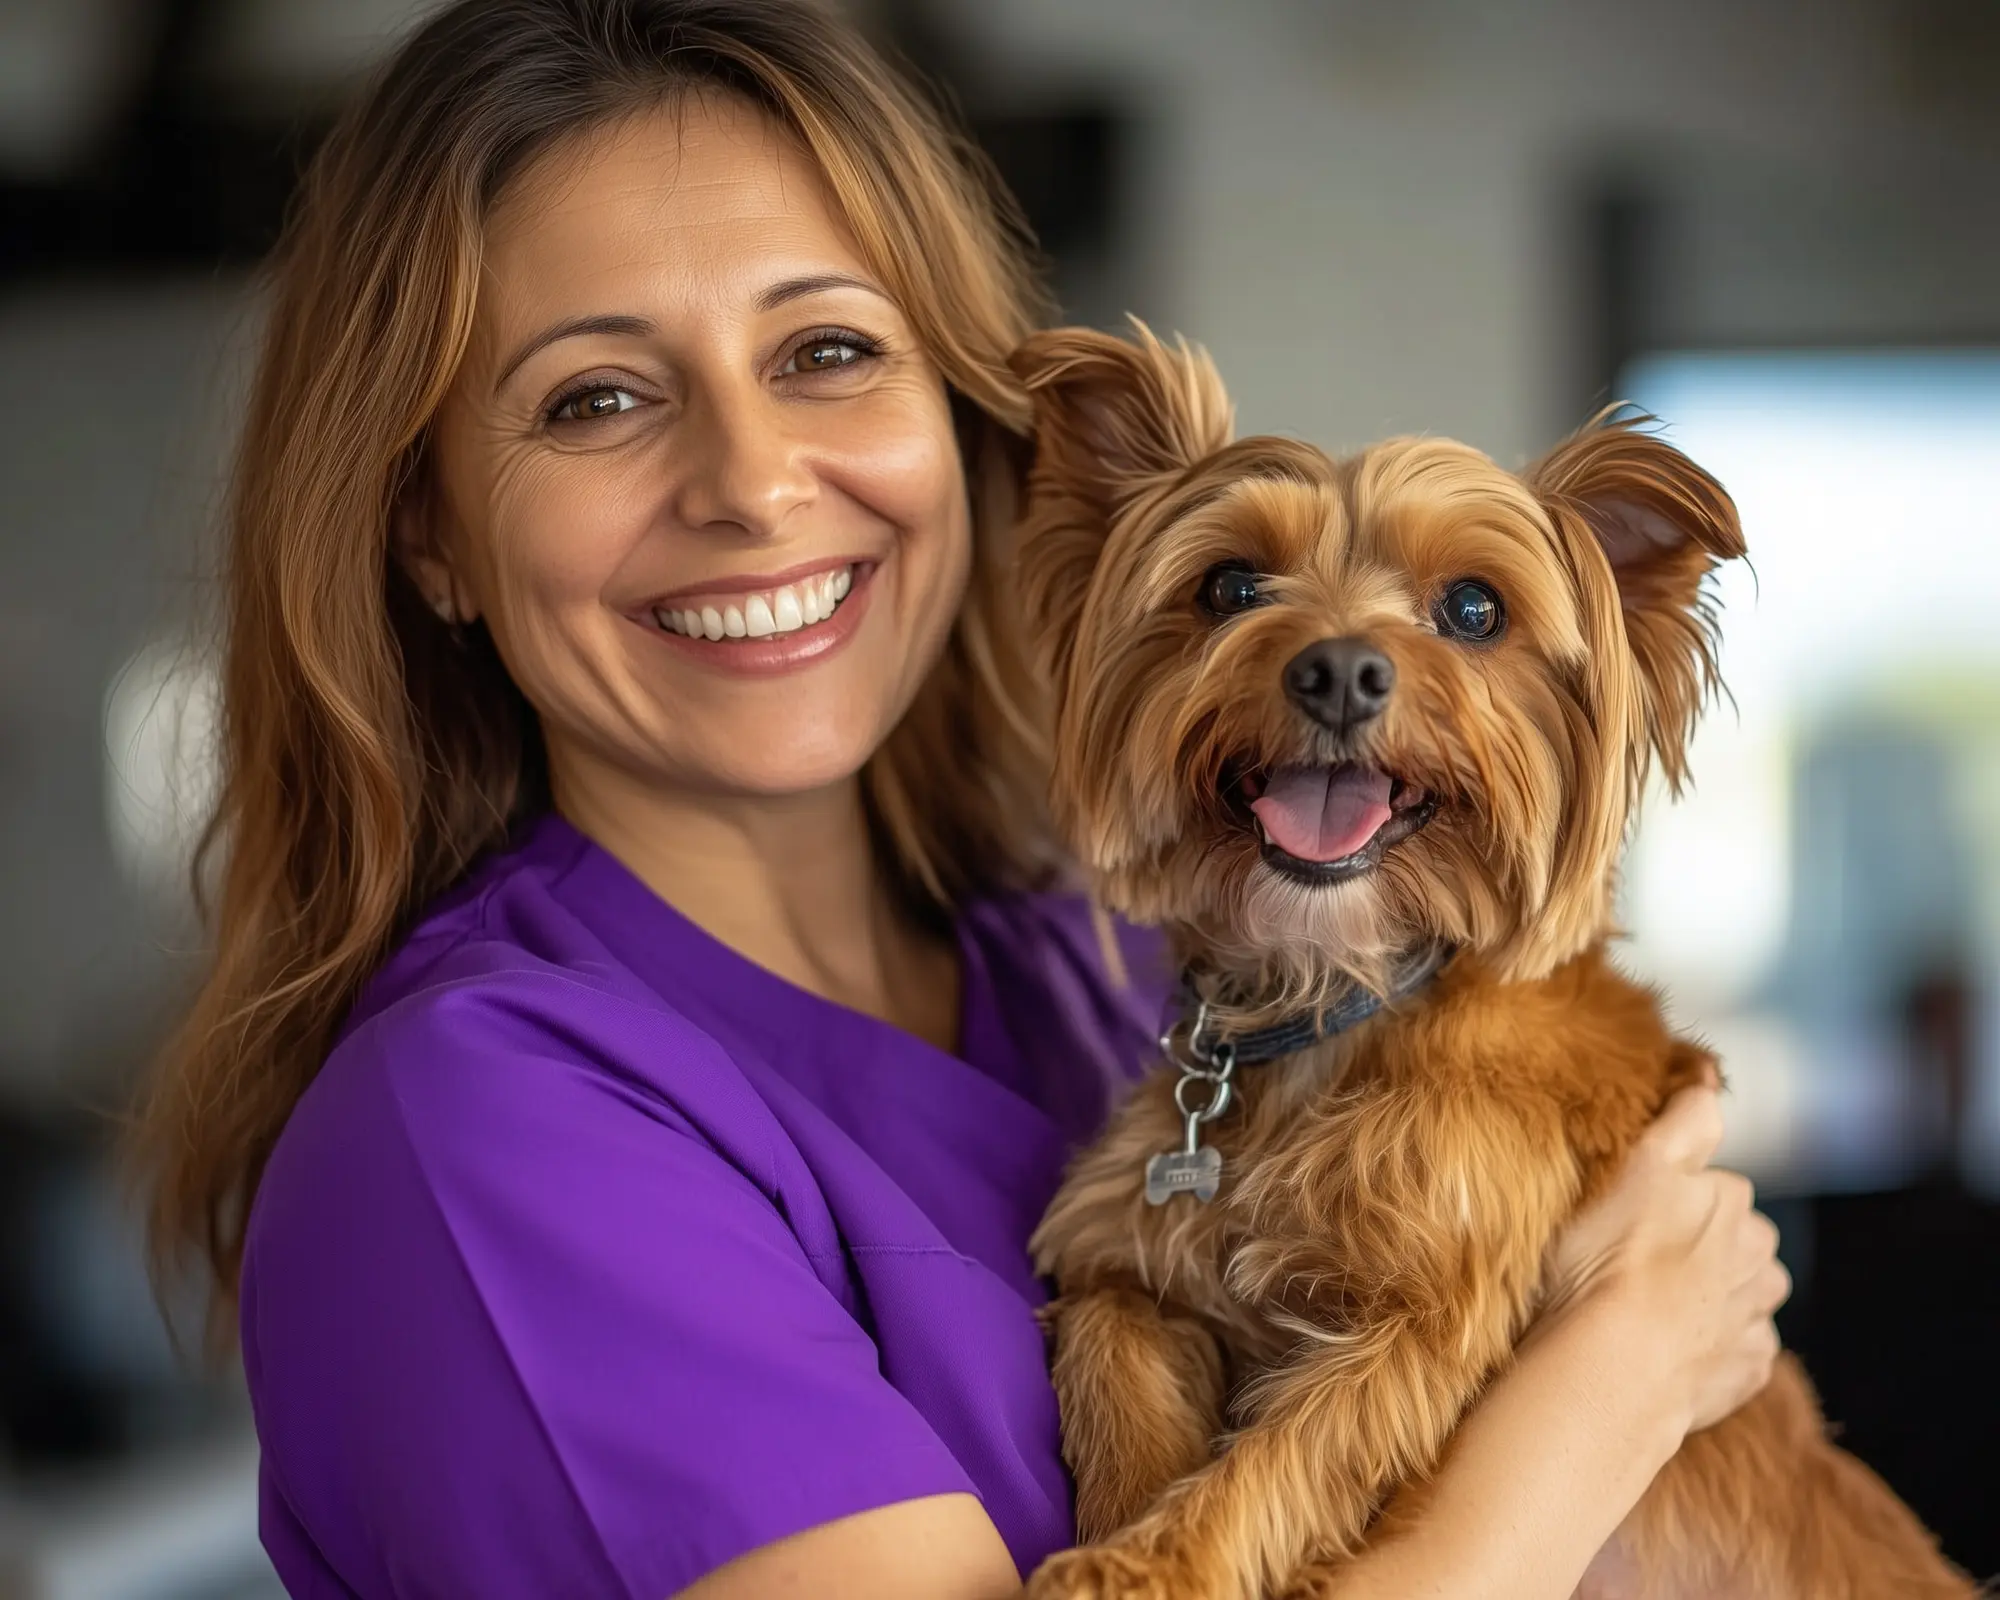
597	1255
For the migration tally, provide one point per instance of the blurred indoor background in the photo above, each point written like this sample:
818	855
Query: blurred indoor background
1775	223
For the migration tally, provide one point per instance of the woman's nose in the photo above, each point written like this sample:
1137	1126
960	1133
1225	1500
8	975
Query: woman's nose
741	465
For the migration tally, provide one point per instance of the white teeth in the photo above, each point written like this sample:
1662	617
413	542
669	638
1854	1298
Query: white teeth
781	610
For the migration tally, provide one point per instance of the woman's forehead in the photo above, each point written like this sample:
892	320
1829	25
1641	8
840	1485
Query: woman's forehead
705	199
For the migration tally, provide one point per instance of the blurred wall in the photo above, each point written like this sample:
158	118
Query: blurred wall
1402	217
114	426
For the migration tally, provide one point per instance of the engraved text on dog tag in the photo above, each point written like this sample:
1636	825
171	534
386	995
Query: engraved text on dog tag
1195	1168
1172	1172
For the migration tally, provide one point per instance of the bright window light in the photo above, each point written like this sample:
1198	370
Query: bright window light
1870	492
1844	826
160	778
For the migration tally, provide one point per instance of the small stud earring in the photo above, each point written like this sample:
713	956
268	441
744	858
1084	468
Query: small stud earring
446	609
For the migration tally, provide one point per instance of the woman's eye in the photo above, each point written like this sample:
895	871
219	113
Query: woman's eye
828	354
1470	610
819	357
1230	588
586	405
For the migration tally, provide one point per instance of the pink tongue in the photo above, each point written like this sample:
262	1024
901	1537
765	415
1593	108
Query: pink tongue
1319	814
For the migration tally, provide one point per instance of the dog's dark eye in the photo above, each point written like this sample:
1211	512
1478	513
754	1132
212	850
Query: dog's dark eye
1471	611
1230	588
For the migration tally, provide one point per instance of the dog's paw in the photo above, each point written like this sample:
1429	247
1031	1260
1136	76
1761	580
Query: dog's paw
1115	1572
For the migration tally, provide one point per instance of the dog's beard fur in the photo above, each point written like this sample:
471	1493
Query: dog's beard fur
1533	747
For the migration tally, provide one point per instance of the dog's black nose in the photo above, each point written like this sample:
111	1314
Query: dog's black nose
1340	683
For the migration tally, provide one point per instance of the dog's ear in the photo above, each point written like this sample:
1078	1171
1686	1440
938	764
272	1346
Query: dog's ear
1113	414
1113	417
1663	524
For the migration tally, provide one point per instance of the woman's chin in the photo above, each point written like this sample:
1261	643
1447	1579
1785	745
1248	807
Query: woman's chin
772	759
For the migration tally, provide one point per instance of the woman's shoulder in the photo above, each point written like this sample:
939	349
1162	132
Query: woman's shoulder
530	1241
505	925
499	1017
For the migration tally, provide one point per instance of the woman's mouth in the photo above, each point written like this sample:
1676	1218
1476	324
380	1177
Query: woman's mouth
759	614
764	625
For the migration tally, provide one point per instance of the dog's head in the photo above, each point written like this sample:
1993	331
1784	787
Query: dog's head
1313	714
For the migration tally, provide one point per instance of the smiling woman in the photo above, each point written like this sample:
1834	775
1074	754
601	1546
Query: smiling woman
633	1060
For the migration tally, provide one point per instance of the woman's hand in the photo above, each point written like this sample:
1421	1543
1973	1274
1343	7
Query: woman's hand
1679	1266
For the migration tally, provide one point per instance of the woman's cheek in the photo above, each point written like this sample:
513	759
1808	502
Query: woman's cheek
897	456
561	526
553	538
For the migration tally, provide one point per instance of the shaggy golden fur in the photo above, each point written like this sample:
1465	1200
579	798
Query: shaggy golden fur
1245	1384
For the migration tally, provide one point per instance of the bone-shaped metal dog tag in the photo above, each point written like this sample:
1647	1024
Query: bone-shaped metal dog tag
1172	1172
1195	1169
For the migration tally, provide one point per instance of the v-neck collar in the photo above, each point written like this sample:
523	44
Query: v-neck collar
719	985
964	1136
802	1034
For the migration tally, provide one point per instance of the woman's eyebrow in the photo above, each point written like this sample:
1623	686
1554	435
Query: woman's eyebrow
787	289
609	322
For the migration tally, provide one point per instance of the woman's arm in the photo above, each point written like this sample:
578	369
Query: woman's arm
1539	1476
1660	1324
943	1547
1538	1479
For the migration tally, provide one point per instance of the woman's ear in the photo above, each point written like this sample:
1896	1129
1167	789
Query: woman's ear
417	544
1663	524
1113	417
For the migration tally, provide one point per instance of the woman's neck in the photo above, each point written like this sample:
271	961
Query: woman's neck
792	882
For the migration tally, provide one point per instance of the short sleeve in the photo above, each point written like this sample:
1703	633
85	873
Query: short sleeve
515	1327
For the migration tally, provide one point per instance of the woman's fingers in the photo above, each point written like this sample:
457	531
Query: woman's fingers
1755	1235
1764	1286
1685	1243
1772	1287
1687	1132
1759	1356
1764	1237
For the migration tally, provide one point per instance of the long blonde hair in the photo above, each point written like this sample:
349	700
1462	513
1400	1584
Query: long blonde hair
367	759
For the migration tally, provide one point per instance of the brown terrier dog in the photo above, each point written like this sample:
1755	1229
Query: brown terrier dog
1337	725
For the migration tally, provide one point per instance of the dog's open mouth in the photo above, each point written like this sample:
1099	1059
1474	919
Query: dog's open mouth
1329	824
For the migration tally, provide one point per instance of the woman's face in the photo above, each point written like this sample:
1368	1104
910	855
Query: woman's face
696	473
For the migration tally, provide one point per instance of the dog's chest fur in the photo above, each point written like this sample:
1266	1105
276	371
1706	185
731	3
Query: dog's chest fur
1440	1144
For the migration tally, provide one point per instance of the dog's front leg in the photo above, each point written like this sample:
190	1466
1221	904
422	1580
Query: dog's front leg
1141	1396
1331	1435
